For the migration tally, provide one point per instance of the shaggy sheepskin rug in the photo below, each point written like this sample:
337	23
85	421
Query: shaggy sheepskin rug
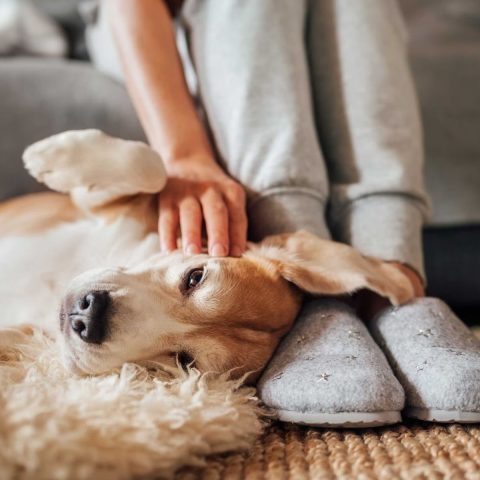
132	423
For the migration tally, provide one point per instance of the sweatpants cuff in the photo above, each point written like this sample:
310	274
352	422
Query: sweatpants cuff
384	226
285	212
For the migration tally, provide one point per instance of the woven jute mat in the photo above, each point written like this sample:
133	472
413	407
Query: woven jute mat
407	451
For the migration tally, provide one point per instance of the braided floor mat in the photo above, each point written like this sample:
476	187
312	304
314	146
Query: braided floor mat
407	451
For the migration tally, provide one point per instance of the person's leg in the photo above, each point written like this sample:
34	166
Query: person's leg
100	42
253	82
369	126
270	146
368	123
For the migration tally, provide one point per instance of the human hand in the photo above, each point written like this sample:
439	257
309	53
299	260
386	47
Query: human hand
197	192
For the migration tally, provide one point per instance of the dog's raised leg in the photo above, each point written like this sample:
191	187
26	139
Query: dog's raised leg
94	168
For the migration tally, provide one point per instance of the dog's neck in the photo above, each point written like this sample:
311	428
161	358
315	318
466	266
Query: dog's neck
36	267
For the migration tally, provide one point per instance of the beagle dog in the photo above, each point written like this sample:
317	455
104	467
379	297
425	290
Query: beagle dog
84	263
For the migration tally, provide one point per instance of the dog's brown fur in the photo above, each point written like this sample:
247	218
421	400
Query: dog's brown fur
251	301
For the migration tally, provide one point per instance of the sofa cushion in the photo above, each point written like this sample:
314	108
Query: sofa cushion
66	13
43	97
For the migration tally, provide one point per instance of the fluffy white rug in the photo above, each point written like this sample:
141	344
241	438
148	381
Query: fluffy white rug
133	423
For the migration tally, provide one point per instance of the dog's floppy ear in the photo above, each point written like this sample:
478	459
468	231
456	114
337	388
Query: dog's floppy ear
325	267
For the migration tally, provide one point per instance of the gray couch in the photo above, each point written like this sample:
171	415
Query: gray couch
41	97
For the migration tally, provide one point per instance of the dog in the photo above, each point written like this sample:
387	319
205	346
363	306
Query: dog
83	263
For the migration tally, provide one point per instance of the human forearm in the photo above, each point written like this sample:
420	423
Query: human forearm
198	191
145	38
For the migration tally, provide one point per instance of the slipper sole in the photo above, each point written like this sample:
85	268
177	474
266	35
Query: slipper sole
442	416
340	420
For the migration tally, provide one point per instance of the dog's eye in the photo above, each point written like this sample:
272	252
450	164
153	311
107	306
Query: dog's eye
185	360
194	278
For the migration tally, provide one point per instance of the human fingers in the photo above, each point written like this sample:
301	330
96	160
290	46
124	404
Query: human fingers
215	213
168	221
190	213
236	204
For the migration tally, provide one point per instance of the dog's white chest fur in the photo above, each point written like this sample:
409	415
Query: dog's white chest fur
35	269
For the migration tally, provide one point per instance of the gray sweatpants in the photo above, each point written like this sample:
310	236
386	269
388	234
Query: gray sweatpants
312	108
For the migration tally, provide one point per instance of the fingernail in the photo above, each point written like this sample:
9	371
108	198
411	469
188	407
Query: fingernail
236	251
192	249
218	250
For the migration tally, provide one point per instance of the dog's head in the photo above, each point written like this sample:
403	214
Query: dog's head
218	314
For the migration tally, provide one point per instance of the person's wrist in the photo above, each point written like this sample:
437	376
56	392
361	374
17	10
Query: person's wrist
173	165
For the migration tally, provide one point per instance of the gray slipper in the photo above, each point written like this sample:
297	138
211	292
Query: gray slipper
435	357
328	371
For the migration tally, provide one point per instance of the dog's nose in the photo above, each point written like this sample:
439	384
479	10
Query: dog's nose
88	316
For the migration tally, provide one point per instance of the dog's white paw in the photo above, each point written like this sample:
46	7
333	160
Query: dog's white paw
91	161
